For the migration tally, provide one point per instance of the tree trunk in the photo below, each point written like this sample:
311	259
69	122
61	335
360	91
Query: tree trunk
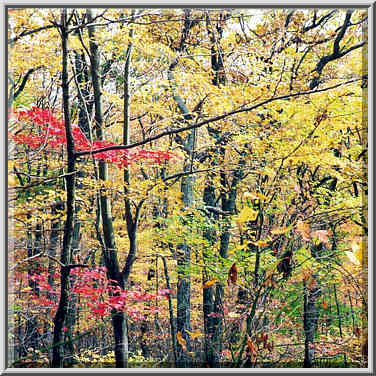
213	299
171	312
85	106
212	358
59	320
131	220
184	252
311	315
110	251
183	316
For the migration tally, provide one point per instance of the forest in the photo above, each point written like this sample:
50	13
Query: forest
187	188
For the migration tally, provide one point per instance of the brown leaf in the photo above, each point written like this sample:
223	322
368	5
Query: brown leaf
270	346
304	229
181	341
357	331
232	274
259	339
265	339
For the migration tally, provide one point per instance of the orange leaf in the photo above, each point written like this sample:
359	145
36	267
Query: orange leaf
232	274
181	341
251	347
209	283
324	305
261	243
312	284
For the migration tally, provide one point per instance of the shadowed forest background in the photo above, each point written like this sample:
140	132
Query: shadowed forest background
187	188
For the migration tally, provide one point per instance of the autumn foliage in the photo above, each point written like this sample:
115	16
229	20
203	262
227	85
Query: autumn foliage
187	188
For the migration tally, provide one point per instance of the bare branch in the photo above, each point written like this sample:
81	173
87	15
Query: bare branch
211	120
24	80
30	32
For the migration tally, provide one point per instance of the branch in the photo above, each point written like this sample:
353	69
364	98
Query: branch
337	53
210	120
25	260
77	266
25	33
48	180
214	209
342	32
180	174
315	24
24	80
56	260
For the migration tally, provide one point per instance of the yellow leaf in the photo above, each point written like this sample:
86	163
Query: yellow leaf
194	334
357	249
238	248
12	182
250	195
261	196
254	196
247	214
209	283
280	230
352	258
181	341
358	254
260	243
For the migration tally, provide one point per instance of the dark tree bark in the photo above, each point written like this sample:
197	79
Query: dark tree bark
228	206
110	251
32	336
183	251
171	312
131	218
337	52
15	93
85	104
59	320
209	234
311	315
183	317
213	298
